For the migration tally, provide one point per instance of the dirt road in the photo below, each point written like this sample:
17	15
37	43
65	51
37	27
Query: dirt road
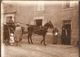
35	50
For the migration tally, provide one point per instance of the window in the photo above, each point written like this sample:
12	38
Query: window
40	7
38	20
67	5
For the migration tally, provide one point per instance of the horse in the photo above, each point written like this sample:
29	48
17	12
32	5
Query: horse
40	30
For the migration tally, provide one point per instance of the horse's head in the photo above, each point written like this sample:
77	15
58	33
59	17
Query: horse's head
49	25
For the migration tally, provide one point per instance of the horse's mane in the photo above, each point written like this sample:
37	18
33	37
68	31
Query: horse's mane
49	24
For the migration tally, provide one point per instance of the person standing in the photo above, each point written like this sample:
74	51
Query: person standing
66	34
11	26
55	35
63	36
6	34
18	34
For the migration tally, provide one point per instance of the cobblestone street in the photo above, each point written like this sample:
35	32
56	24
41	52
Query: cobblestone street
29	50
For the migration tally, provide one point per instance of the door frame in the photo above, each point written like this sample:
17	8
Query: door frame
12	14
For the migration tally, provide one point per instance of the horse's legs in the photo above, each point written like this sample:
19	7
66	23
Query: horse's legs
31	39
44	40
17	43
28	38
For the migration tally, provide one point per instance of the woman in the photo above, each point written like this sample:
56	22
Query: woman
18	33
55	35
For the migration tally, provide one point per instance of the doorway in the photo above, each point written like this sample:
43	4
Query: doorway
9	17
66	32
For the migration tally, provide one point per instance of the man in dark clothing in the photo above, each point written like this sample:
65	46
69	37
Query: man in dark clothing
68	28
66	34
6	34
11	24
63	36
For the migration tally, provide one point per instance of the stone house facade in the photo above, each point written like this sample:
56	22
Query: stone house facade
56	13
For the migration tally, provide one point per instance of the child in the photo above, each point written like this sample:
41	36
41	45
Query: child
11	39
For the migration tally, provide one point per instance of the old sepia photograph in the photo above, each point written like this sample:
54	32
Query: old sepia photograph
39	28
